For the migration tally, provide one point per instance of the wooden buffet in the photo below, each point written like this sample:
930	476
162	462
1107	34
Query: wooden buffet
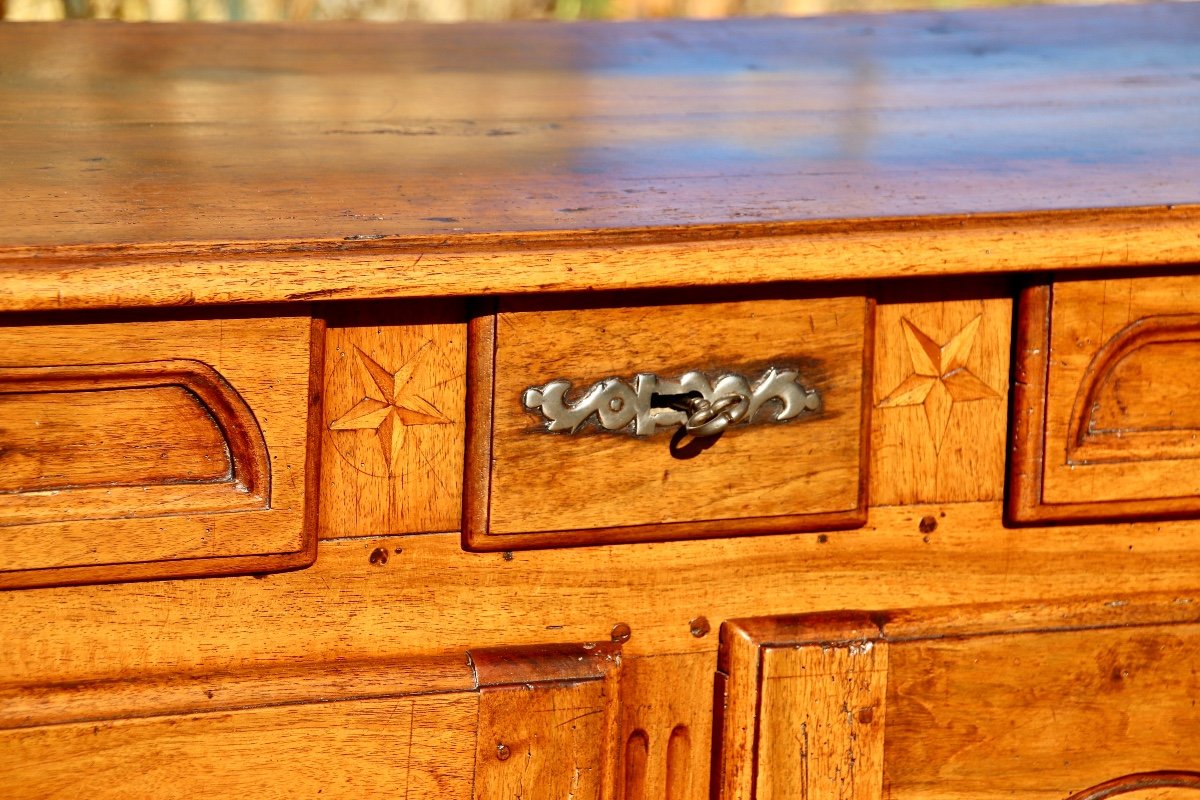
745	409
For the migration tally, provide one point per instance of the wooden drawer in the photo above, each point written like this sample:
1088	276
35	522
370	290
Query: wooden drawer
154	447
1106	426
604	460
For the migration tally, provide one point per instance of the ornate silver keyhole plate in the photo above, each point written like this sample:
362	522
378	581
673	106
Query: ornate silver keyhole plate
649	404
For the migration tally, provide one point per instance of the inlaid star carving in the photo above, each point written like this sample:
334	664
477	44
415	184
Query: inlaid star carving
940	377
390	403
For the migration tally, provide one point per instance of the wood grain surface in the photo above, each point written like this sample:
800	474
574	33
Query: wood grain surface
1040	715
828	700
421	746
613	486
941	376
181	165
544	720
280	683
976	702
147	436
467	264
802	708
432	599
392	437
175	164
101	486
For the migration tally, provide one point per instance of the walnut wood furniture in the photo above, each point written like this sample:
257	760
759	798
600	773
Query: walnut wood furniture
754	409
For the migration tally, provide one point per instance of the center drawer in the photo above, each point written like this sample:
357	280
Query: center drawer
577	410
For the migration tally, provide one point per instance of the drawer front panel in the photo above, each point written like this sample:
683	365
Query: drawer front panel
1106	426
614	473
153	448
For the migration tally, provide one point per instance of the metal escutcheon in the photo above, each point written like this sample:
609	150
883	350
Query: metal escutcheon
649	404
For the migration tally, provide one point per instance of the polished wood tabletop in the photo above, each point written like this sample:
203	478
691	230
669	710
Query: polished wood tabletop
185	141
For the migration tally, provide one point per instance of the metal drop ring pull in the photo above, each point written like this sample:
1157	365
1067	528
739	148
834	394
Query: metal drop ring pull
709	419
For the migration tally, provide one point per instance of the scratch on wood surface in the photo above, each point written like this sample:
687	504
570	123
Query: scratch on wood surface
412	716
580	716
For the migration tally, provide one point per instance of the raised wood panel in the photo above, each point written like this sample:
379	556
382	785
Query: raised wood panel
1105	429
419	746
547	741
666	726
829	701
155	447
941	376
549	722
803	709
117	441
1041	715
394	411
753	478
154	434
506	722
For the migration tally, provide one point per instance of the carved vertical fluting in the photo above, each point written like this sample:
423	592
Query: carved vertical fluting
679	763
667	719
670	769
637	753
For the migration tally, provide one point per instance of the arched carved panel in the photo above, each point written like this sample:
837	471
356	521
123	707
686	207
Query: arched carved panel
157	447
108	441
1146	786
1137	396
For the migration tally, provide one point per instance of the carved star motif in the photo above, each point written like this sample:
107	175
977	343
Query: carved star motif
390	403
940	377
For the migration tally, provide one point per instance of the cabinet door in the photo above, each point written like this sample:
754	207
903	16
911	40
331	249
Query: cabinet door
1054	703
527	723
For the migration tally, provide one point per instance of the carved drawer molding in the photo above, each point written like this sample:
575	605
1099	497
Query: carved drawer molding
185	442
596	421
1105	421
1146	786
154	448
